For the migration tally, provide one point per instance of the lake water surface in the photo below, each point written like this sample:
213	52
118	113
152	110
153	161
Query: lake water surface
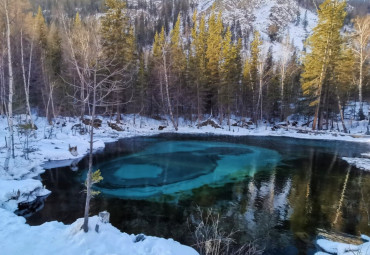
278	191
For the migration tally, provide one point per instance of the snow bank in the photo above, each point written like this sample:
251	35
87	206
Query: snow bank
361	163
13	192
331	247
17	185
16	237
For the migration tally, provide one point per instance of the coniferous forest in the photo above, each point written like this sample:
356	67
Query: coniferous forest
183	64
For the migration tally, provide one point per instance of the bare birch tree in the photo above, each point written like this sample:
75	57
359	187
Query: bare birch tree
10	141
166	82
361	40
161	49
2	77
100	80
286	53
26	74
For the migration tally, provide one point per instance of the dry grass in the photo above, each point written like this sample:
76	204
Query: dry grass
211	239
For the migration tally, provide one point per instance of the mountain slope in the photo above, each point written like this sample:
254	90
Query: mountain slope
273	18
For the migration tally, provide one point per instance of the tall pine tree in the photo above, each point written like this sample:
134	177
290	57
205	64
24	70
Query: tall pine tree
324	47
213	57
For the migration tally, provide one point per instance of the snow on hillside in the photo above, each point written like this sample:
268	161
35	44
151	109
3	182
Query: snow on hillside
204	5
252	15
261	14
297	33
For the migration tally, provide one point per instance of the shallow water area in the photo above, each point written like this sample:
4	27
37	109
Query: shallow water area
275	190
175	167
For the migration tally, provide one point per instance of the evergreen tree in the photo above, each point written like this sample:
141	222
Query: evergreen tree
213	56
253	70
225	90
270	89
41	29
178	63
305	22
177	53
230	72
77	20
47	72
286	52
342	80
115	31
118	41
324	45
198	61
141	87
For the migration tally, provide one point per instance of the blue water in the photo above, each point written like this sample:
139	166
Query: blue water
276	191
177	167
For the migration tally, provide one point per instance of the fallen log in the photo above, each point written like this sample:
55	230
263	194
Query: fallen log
210	123
114	126
97	122
339	237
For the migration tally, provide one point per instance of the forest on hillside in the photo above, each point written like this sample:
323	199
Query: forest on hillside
63	61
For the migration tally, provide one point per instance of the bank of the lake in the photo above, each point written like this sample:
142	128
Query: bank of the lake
55	147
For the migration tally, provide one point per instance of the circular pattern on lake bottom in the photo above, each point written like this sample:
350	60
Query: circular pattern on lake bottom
173	167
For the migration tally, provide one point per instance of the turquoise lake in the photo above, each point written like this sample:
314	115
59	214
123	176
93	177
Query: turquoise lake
278	191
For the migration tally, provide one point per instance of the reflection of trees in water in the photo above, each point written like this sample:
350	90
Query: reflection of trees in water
268	209
364	185
340	204
327	194
260	210
287	204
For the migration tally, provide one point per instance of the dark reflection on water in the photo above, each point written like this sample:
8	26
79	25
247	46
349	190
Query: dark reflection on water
282	204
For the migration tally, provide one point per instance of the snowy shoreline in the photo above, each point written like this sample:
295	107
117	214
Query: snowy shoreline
19	186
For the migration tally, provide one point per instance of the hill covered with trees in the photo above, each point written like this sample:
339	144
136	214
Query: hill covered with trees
183	59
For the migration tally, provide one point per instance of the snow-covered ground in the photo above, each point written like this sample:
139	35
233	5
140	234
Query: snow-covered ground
16	237
18	185
48	143
330	247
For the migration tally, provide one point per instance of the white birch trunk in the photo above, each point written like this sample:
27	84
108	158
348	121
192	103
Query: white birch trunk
167	89
11	81
26	81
